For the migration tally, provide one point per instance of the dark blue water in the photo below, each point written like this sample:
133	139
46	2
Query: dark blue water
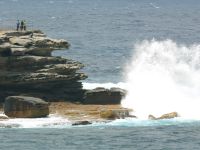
102	34
182	137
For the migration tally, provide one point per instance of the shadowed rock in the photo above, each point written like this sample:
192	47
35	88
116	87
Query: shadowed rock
104	96
78	123
25	107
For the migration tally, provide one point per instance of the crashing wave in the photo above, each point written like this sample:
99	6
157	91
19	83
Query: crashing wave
164	77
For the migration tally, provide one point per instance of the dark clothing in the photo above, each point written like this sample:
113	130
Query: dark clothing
18	24
22	25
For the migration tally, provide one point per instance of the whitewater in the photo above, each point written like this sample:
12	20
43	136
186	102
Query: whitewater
161	77
164	77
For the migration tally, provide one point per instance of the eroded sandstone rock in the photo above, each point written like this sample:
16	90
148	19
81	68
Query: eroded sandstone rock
165	116
104	96
33	42
27	67
25	107
114	113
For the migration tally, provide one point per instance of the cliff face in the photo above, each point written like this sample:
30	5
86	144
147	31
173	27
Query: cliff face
27	68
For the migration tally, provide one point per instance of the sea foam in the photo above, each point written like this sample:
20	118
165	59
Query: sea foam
52	121
109	85
163	77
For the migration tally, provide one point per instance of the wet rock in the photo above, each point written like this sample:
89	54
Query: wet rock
115	113
85	122
104	96
25	107
165	116
132	116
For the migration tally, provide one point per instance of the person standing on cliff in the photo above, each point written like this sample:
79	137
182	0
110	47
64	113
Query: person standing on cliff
22	25
18	24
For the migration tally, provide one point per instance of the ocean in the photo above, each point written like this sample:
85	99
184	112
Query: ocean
151	48
181	137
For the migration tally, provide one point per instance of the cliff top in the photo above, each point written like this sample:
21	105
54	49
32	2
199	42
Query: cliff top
20	43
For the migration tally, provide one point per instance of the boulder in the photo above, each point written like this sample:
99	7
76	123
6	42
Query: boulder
114	113
104	96
165	116
25	107
85	122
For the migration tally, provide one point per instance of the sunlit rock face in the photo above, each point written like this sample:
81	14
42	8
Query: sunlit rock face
164	116
27	67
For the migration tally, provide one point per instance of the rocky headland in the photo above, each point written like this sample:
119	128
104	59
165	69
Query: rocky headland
33	83
28	68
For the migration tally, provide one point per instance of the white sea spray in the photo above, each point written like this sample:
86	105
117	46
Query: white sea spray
164	77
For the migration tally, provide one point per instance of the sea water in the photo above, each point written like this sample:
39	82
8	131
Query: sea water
177	137
148	47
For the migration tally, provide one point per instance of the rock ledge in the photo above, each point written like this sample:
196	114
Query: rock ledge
27	67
